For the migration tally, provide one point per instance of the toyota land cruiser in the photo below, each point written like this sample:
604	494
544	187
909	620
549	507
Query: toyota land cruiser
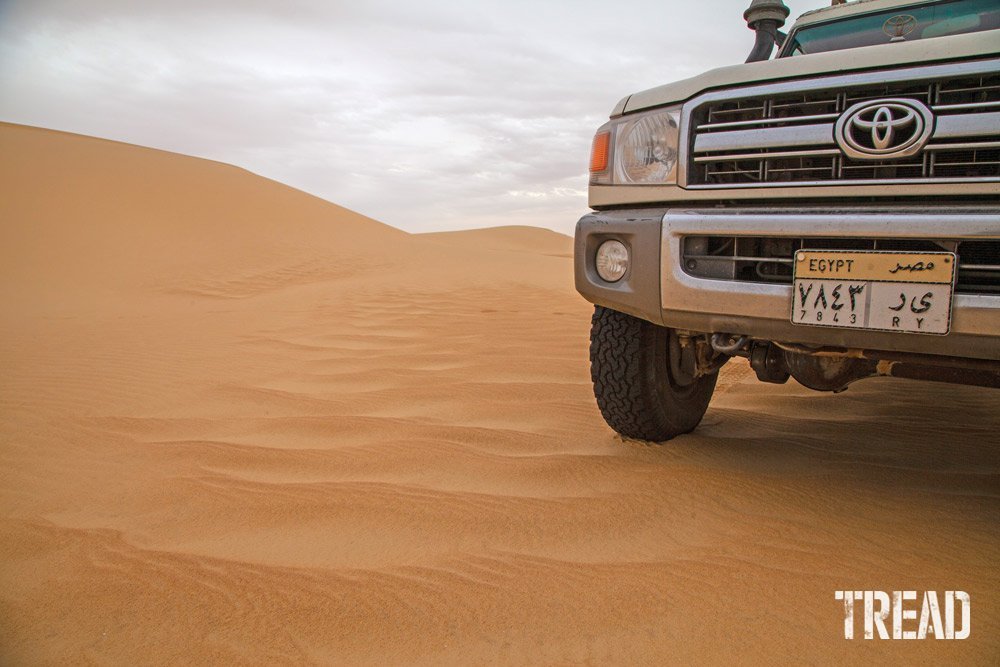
830	215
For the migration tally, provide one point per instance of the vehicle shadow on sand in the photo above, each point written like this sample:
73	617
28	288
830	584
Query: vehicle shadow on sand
918	433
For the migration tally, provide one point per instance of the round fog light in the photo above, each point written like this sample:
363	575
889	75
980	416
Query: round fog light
612	261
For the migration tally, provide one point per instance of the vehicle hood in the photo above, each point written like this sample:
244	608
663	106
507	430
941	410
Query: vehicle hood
955	47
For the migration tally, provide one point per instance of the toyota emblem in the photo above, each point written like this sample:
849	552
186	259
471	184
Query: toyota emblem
884	129
898	27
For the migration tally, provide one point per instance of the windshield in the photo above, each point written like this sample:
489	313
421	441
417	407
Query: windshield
938	19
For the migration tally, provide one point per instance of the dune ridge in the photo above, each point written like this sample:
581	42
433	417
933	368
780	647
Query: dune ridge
244	425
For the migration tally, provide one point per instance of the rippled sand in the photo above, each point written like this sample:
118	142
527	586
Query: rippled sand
243	425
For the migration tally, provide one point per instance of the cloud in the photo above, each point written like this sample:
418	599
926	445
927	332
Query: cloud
430	115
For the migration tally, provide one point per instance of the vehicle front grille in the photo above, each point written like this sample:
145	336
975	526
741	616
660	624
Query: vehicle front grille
759	259
786	137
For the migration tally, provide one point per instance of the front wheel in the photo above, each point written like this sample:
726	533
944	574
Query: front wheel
636	391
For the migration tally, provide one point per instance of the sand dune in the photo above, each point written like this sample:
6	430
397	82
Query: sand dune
244	425
531	240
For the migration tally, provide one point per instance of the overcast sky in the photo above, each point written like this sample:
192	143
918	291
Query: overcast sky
426	114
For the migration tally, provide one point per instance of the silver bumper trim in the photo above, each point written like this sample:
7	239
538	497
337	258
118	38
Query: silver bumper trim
762	310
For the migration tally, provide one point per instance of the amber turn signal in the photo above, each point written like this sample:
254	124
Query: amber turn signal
599	152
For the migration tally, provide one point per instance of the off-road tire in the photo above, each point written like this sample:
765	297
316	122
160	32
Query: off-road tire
634	387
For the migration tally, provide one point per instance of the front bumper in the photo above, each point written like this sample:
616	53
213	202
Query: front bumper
656	287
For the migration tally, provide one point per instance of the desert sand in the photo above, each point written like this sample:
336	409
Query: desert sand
242	425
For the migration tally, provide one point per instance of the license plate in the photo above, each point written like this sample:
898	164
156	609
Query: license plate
880	291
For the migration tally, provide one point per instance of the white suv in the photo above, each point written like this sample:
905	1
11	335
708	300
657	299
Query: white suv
831	215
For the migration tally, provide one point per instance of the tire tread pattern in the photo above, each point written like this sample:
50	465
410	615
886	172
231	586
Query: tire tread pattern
628	368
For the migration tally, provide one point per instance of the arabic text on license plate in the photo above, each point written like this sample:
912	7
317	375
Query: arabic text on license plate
883	291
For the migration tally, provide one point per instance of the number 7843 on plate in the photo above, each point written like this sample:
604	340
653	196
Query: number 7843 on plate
874	290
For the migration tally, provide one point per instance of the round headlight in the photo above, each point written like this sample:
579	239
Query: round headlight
612	261
647	149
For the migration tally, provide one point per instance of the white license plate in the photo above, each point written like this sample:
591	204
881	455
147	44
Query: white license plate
879	291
